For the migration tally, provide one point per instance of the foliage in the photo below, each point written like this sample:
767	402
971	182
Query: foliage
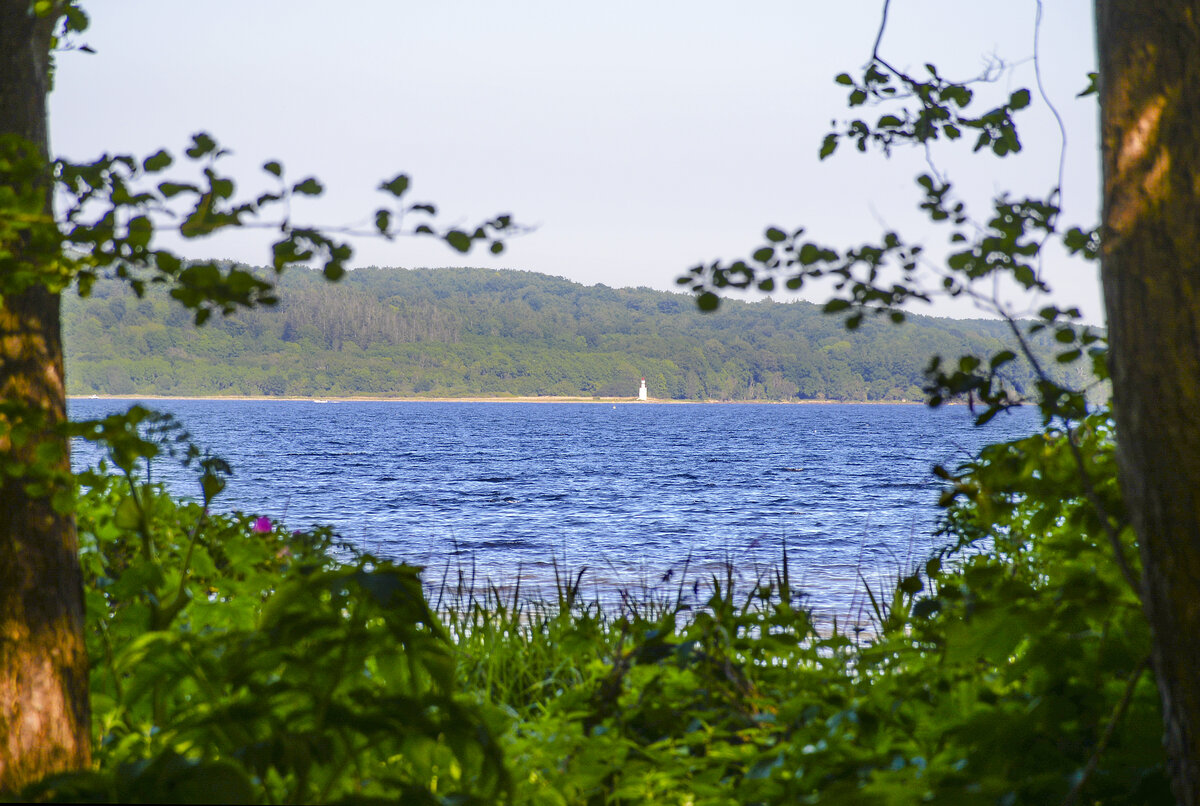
883	277
235	662
1008	670
454	332
235	659
1045	609
67	225
243	663
113	206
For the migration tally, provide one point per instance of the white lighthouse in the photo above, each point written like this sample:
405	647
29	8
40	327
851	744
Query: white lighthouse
642	391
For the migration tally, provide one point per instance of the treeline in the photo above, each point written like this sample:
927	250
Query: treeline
464	332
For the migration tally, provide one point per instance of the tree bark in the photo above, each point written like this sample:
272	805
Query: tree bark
1149	66
44	713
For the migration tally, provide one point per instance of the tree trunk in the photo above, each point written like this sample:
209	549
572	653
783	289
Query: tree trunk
44	714
1149	60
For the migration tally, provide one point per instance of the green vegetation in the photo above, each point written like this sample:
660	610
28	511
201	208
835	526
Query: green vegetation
463	332
235	661
231	660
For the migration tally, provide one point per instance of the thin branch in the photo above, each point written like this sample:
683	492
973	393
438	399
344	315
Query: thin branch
1062	130
879	36
991	72
1062	127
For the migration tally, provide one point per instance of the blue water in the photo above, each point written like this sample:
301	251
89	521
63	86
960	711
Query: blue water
632	492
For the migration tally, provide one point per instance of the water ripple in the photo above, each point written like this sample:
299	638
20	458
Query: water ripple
630	492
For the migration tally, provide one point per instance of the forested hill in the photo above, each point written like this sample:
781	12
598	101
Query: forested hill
464	332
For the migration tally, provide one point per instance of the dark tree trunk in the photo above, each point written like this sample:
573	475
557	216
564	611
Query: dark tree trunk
44	714
1149	59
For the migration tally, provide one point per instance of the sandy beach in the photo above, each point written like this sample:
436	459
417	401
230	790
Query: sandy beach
539	399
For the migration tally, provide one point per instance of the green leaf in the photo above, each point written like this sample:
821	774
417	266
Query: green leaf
167	262
1068	356
273	168
926	608
211	485
990	637
1025	276
1092	88
383	220
775	235
127	514
957	93
765	767
222	188
809	254
77	22
202	144
396	187
1001	358
308	187
835	305
708	301
170	190
1019	99
157	161
140	231
844	79
458	240
828	145
1076	241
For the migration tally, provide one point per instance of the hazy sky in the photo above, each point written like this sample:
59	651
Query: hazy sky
640	138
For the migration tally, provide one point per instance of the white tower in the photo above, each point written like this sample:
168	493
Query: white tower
642	391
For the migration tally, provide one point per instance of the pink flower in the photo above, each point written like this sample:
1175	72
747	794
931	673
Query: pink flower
262	525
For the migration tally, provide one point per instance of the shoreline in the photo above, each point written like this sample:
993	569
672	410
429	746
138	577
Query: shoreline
527	399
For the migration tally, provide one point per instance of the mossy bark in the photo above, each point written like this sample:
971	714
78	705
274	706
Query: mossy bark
44	714
1149	65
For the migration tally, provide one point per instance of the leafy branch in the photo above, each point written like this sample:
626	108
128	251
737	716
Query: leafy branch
881	278
112	209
